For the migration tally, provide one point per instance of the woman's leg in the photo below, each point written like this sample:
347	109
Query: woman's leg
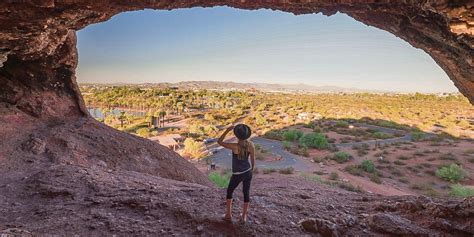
246	189
233	183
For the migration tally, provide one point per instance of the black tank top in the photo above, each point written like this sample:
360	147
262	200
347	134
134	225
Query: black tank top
240	166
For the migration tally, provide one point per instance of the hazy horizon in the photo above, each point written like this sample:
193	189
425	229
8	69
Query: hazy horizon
230	45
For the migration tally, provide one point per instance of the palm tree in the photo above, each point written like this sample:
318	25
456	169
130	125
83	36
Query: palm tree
162	117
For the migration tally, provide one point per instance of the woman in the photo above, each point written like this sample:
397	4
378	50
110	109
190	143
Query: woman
242	166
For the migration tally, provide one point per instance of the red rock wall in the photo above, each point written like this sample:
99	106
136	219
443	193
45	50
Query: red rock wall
37	42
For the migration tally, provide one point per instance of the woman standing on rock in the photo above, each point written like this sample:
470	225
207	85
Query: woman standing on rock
242	166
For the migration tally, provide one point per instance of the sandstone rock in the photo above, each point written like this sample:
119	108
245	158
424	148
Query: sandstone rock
387	223
34	145
38	75
320	227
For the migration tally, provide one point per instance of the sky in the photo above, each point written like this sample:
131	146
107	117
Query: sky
226	44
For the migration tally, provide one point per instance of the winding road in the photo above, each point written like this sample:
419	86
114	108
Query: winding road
223	157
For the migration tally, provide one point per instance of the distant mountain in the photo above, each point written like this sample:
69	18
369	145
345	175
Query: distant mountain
268	87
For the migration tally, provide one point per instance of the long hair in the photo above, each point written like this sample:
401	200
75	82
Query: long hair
242	149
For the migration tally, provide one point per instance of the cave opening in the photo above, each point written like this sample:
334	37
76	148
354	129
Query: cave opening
89	178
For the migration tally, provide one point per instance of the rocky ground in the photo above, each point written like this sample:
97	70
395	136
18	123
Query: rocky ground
81	177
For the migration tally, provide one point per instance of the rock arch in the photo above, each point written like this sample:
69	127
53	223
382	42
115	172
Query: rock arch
38	56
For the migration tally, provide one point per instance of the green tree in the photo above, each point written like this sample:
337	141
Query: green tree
194	149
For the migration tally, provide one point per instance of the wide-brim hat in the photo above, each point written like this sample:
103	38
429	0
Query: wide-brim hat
242	131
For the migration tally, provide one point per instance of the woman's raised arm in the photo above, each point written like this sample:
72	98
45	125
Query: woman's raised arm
222	137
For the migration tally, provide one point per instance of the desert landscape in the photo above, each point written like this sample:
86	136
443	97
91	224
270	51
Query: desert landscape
97	156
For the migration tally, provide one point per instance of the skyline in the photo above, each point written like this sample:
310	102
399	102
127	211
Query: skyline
262	46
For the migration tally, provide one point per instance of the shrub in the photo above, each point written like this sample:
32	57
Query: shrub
354	170
333	176
452	173
403	157
381	135
292	135
219	180
417	136
317	159
458	190
273	134
375	178
350	187
316	178
397	162
314	140
268	170
289	170
404	180
143	132
286	145
341	124
303	151
368	166
447	156
341	157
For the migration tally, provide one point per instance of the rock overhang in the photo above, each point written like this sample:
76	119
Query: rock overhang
38	55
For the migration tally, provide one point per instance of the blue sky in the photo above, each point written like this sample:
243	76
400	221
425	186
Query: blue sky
227	44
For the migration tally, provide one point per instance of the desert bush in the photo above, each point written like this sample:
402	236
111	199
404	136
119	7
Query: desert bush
341	157
316	178
374	177
333	176
273	134
292	135
403	157
268	170
303	151
368	166
396	172
452	173
417	136
397	162
354	170
341	124
219	180
289	170
381	135
349	187
317	129
458	190
314	140
418	153
286	145
317	159
447	156
143	132
404	180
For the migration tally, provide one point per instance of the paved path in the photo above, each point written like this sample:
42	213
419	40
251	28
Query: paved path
223	158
